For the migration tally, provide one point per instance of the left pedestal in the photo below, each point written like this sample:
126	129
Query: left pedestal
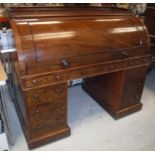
43	114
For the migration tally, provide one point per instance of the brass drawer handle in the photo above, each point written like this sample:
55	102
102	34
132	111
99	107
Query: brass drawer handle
112	66
83	72
34	81
36	96
65	63
58	77
143	61
126	87
136	97
130	63
58	91
39	128
125	53
37	111
58	120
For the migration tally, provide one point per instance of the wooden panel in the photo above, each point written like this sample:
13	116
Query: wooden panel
54	39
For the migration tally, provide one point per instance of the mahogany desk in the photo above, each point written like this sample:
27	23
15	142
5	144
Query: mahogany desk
107	47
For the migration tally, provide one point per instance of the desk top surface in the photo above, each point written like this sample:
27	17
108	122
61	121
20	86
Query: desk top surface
3	76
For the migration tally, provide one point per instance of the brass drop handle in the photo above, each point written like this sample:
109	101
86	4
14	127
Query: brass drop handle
131	63
112	66
58	120
65	63
58	91
58	77
125	53
37	111
84	72
136	97
127	87
143	61
36	96
38	128
34	81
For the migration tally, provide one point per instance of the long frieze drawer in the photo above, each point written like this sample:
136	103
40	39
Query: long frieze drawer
108	67
46	94
89	58
47	111
77	60
44	80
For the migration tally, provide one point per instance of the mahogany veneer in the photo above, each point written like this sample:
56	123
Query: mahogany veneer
108	47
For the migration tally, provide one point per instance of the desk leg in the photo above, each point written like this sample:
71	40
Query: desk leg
118	92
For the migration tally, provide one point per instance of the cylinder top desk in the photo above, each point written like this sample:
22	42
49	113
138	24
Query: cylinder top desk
107	47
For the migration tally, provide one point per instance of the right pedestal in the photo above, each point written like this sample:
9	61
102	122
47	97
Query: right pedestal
118	92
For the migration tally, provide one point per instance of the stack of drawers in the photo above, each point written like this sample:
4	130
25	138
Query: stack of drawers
133	85
47	109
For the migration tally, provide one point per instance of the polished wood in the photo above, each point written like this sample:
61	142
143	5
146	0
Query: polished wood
118	92
150	24
107	47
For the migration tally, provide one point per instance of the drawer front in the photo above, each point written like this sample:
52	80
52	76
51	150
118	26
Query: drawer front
85	72
46	94
44	80
47	117
42	128
91	58
79	59
48	110
133	86
106	68
135	74
132	93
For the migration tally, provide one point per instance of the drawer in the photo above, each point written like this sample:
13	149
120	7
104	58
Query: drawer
46	94
42	128
47	111
138	61
108	67
131	94
86	72
135	74
105	56
45	80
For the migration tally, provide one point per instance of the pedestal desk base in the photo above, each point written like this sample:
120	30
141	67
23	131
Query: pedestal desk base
119	92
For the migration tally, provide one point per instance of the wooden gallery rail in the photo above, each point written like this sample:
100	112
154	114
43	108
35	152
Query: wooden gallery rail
107	47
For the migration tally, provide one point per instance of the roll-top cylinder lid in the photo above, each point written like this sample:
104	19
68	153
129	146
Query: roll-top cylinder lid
56	37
